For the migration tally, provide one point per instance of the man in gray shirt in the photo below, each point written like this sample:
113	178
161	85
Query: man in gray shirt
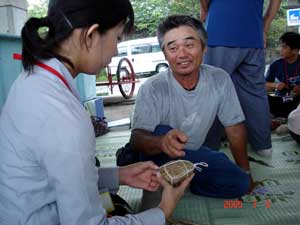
175	109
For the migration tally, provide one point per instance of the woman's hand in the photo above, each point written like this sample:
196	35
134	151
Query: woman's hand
171	195
140	175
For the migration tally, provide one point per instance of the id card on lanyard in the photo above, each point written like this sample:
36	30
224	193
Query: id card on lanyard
287	98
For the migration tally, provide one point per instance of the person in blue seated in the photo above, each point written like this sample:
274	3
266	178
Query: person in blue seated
283	77
175	109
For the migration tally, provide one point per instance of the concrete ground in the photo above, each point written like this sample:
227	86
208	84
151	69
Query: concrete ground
116	108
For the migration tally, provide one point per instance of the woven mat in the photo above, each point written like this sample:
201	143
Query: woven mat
108	144
276	202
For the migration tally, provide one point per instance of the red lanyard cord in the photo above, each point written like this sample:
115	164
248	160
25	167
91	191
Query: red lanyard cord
286	72
46	67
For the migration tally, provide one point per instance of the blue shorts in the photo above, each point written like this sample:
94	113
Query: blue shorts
221	179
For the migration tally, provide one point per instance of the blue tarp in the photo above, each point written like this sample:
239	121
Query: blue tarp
9	68
86	85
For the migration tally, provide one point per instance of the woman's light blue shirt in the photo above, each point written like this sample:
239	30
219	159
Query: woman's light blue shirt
47	157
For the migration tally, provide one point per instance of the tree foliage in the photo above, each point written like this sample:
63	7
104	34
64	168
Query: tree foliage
38	10
278	27
149	13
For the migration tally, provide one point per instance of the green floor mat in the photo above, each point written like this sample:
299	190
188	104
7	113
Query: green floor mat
108	144
277	201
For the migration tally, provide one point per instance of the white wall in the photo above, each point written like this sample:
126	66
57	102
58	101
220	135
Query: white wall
13	14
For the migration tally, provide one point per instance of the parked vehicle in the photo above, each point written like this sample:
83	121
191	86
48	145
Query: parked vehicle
144	54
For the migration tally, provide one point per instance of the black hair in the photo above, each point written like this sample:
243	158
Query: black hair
175	21
66	15
291	39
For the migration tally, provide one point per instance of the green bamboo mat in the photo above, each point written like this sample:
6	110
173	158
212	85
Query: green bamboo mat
279	203
108	144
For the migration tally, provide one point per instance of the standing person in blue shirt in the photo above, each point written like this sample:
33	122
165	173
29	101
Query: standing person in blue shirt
283	77
47	142
236	33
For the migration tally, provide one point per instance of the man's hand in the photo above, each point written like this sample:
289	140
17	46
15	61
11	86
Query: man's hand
265	38
140	175
253	184
296	90
204	5
173	143
280	86
270	14
203	15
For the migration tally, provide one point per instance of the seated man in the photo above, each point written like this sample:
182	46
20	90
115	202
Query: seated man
286	71
175	109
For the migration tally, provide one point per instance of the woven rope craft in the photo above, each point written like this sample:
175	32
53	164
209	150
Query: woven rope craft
176	171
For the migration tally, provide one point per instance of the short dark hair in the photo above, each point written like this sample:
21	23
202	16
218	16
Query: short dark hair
291	39
66	15
175	21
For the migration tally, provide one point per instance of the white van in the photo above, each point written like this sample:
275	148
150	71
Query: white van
144	54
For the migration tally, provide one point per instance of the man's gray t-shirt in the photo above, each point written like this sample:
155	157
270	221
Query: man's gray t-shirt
163	101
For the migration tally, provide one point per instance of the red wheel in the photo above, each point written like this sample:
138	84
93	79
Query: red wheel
126	78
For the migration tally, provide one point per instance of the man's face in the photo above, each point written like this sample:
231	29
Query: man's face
183	50
286	52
